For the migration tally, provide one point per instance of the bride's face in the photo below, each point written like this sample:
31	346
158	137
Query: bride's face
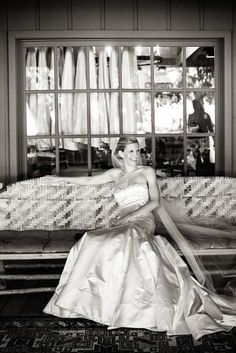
131	154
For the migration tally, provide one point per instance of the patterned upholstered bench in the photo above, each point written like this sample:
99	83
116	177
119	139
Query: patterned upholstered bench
39	218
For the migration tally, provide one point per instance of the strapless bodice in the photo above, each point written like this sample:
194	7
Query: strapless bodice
131	197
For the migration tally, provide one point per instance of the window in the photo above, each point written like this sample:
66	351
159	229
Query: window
80	98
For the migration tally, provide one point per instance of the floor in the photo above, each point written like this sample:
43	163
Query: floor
23	304
30	305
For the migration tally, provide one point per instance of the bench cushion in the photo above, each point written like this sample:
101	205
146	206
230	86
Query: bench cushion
61	241
36	241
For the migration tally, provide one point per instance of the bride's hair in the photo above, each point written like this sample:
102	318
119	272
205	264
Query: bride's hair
117	161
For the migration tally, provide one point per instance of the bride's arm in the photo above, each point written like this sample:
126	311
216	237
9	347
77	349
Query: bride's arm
154	195
103	178
142	211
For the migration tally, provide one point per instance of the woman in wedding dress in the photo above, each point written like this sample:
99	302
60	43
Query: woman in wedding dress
125	276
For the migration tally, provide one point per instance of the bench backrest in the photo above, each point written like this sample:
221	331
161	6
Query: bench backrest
202	196
50	203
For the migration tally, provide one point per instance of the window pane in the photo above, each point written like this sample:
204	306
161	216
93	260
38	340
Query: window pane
168	67
39	68
71	63
104	113
103	67
146	150
72	111
135	67
201	156
168	112
41	157
136	112
103	149
73	162
170	155
40	114
102	153
201	112
200	67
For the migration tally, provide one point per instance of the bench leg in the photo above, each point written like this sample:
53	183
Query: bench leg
2	270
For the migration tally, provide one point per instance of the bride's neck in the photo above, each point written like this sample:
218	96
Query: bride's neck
127	170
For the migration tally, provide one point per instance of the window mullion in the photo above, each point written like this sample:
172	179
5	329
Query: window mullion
219	151
120	91
88	112
24	143
184	112
153	111
56	102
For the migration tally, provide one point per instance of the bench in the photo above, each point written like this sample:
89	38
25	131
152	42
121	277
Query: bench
41	219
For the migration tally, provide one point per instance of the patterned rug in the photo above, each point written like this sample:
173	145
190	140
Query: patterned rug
47	334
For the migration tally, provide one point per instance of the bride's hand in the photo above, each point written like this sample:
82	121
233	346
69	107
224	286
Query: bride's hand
126	219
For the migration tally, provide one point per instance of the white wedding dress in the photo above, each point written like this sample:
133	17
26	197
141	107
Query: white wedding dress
125	276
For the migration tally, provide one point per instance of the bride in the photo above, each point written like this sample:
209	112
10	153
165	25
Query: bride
125	276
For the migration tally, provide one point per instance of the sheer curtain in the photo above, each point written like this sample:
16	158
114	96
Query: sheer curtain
80	99
73	110
39	107
43	113
103	98
131	104
66	99
128	106
94	108
31	103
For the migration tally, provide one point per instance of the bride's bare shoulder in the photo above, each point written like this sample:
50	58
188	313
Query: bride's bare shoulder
148	171
113	173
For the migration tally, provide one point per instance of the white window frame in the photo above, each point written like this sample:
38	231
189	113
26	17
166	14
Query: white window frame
224	155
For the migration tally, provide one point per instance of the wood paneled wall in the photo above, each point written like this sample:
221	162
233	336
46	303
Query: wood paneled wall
4	155
109	15
119	14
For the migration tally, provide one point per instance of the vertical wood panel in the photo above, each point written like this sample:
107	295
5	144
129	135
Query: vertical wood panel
119	14
234	88
21	14
152	15
86	14
3	95
54	14
185	15
217	15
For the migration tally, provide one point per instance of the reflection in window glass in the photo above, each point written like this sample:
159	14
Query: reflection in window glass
73	162
136	112
201	112
170	155
168	67
102	154
40	114
201	156
135	67
168	109
200	67
41	157
39	68
104	113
